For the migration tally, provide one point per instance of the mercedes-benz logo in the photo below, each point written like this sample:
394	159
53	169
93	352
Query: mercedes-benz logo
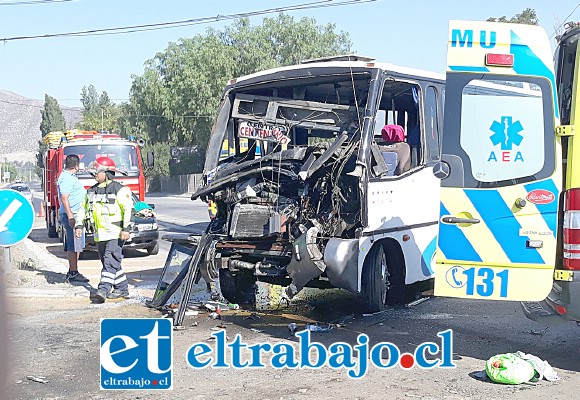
441	170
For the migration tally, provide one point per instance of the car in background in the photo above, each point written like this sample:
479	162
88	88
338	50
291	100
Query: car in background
23	188
144	232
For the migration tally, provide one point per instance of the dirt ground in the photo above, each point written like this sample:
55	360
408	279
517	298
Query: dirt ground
54	338
54	344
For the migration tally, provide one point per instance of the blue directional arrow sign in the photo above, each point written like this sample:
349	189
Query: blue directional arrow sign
16	217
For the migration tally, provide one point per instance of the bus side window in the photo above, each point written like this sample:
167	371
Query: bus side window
431	125
398	106
414	130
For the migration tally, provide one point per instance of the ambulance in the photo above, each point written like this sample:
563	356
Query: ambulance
510	198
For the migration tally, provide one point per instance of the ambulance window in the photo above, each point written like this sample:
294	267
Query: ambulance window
502	130
431	124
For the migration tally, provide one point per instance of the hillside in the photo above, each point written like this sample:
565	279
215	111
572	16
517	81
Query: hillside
20	125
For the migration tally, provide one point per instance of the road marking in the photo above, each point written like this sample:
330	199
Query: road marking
8	214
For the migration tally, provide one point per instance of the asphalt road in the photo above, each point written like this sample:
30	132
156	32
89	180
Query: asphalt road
180	212
55	336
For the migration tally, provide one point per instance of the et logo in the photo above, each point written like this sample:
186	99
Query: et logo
136	353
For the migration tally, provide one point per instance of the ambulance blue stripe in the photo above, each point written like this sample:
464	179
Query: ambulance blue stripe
467	68
526	62
455	246
503	226
427	256
548	211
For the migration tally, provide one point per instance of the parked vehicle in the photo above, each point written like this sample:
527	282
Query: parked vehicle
144	232
23	188
89	145
510	198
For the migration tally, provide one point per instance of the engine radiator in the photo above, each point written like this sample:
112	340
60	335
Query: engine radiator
251	220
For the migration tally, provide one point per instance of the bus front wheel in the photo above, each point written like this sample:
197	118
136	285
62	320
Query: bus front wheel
239	288
383	277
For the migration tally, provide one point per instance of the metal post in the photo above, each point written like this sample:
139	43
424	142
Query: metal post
6	260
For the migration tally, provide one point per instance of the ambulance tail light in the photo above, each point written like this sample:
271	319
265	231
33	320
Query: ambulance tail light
560	309
499	60
571	236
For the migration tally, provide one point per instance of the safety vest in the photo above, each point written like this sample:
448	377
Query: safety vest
107	208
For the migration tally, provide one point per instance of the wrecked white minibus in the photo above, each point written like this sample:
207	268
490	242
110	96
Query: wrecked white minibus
328	179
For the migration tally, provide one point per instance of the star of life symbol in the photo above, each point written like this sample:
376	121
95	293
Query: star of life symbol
506	133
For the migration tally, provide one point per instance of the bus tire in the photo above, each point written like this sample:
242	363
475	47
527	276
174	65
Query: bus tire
239	288
383	280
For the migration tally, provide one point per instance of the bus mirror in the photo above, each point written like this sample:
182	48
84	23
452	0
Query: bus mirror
441	170
150	159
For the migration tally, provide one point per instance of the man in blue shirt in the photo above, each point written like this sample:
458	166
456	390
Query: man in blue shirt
71	193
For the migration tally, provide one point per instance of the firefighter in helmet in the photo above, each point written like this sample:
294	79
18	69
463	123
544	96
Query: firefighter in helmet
107	206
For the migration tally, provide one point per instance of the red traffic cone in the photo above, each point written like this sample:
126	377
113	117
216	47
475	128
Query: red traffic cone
41	210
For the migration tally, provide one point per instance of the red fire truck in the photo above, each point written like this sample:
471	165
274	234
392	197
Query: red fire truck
89	145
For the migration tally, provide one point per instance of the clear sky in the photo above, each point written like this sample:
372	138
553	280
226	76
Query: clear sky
409	33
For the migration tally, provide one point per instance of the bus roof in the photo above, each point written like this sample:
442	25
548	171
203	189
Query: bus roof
342	64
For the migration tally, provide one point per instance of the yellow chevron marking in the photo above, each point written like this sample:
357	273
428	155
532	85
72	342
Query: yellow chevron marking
479	235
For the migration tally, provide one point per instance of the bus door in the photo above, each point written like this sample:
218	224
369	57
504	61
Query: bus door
500	171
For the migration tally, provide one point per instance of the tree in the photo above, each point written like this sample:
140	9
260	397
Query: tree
160	168
527	16
52	121
99	113
176	99
89	98
8	168
52	118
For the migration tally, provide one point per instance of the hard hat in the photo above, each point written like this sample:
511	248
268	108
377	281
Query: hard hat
104	164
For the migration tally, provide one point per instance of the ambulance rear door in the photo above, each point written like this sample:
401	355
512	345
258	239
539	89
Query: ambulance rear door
500	172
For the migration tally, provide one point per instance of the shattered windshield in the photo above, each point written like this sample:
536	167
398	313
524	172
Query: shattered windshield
281	115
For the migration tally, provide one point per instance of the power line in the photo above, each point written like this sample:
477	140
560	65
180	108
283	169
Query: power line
173	116
80	109
37	105
194	21
575	8
29	2
563	23
81	99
